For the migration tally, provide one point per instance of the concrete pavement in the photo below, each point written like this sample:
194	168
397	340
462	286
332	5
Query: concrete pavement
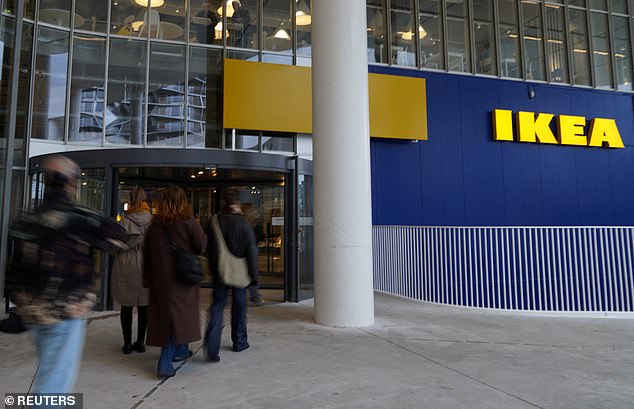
416	355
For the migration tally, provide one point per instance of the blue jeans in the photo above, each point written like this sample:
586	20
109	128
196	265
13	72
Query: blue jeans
238	320
59	347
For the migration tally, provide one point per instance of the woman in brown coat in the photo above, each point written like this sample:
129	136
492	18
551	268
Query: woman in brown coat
174	305
127	272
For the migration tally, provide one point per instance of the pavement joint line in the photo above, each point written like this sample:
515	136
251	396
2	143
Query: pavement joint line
162	381
455	370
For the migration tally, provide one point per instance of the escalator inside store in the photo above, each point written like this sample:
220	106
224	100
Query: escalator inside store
262	197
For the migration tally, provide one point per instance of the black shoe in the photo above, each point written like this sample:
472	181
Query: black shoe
126	349
138	347
237	348
182	358
213	358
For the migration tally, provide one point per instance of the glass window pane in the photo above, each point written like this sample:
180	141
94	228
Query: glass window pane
579	40
166	95
49	99
556	54
277	59
303	21
483	33
277	30
430	34
17	194
126	18
204	106
377	51
169	21
509	39
533	44
93	13
58	12
622	53
459	56
619	6
7	31
598	5
242	23
237	139
242	55
278	142
125	116
601	51
206	27
21	126
579	3
29	8
403	41
87	89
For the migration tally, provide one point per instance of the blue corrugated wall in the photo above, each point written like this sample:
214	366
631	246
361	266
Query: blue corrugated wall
462	177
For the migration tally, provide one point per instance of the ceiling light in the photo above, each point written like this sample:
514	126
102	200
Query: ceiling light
303	19
302	16
152	3
281	33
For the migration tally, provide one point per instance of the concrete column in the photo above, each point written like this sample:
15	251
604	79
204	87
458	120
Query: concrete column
341	165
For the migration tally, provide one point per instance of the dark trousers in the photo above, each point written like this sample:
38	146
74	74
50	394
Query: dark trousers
126	323
238	319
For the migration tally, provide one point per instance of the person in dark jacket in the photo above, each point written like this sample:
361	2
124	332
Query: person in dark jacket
240	239
51	273
174	304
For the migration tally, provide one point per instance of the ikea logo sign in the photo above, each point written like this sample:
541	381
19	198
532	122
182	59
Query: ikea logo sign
571	130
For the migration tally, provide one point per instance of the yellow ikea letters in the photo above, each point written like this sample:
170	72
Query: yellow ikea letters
535	128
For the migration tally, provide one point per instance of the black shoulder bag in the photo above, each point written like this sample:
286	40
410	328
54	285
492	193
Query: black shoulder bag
190	272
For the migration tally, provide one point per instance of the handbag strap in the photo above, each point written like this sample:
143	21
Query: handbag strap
222	245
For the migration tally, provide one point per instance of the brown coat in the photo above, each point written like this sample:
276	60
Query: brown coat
172	304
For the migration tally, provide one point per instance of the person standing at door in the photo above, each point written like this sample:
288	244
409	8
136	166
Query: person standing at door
127	272
240	240
51	274
174	303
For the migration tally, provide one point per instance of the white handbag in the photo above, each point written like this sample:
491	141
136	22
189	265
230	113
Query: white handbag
232	270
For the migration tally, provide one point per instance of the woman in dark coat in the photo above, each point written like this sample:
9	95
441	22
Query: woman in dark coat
174	305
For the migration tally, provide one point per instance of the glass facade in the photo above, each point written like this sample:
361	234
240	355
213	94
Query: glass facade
118	73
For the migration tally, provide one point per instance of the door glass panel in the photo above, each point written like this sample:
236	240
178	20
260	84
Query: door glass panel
305	236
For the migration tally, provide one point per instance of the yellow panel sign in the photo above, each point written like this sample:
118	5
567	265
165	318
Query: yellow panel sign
271	97
535	128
